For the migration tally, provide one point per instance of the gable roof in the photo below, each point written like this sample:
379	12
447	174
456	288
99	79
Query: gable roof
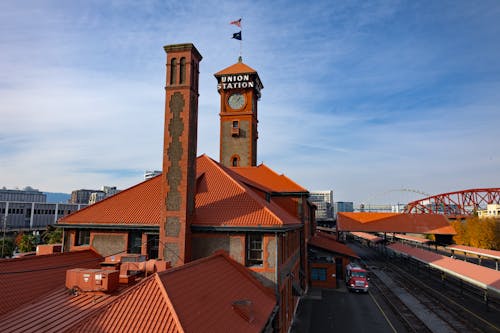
268	178
23	280
201	296
139	204
395	222
328	243
223	200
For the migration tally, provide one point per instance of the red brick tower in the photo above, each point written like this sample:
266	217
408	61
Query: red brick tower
239	87
179	152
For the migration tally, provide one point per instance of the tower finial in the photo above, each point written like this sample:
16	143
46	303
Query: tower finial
240	59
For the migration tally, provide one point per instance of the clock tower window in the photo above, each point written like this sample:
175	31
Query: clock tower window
235	160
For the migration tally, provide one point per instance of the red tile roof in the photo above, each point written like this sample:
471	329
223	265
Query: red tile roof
201	296
237	68
143	308
23	280
222	199
327	243
266	177
139	204
54	312
481	276
395	222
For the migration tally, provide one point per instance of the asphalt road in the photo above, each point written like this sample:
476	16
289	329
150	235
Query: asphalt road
337	310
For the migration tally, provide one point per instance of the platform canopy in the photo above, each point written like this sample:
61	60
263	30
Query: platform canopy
395	222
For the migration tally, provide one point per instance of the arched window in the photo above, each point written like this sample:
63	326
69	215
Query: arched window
182	71
173	71
235	160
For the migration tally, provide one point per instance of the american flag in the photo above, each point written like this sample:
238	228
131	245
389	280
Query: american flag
236	23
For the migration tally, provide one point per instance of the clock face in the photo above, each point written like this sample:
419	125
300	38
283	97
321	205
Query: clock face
236	101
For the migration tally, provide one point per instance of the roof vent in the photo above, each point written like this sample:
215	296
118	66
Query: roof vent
244	308
91	280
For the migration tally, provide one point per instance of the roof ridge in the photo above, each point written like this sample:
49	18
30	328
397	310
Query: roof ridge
167	299
249	192
224	171
282	175
246	271
105	200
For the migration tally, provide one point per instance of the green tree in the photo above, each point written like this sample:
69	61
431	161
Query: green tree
26	243
7	247
52	235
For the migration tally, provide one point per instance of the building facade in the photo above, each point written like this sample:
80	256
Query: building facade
26	195
198	206
324	205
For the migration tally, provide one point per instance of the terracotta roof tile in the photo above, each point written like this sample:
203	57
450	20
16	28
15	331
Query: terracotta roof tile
203	294
222	200
22	280
327	243
139	204
395	222
143	308
53	312
196	297
268	178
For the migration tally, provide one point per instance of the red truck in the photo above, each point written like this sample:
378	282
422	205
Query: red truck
356	278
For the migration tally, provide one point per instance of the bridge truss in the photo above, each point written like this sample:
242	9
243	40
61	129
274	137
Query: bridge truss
456	204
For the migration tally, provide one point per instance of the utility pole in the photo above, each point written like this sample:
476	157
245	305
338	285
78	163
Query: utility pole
4	227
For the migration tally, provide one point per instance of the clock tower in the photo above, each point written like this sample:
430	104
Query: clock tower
239	87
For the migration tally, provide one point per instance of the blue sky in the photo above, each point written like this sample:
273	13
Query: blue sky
361	97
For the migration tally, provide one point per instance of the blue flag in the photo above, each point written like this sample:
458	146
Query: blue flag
237	35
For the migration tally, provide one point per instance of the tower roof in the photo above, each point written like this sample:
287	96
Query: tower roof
237	68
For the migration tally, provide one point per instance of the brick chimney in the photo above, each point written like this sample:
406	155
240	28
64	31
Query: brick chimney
179	152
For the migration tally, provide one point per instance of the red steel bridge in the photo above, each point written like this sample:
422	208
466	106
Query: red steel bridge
456	204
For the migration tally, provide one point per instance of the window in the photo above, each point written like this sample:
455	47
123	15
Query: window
235	161
82	237
182	71
318	274
134	242
236	124
173	71
254	250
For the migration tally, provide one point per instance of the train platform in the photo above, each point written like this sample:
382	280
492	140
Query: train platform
482	277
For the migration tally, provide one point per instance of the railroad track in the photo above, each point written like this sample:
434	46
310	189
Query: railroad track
456	312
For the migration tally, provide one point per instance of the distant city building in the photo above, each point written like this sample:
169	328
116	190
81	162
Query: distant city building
28	194
324	204
398	208
27	209
374	208
81	196
492	210
342	206
151	173
96	196
92	196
